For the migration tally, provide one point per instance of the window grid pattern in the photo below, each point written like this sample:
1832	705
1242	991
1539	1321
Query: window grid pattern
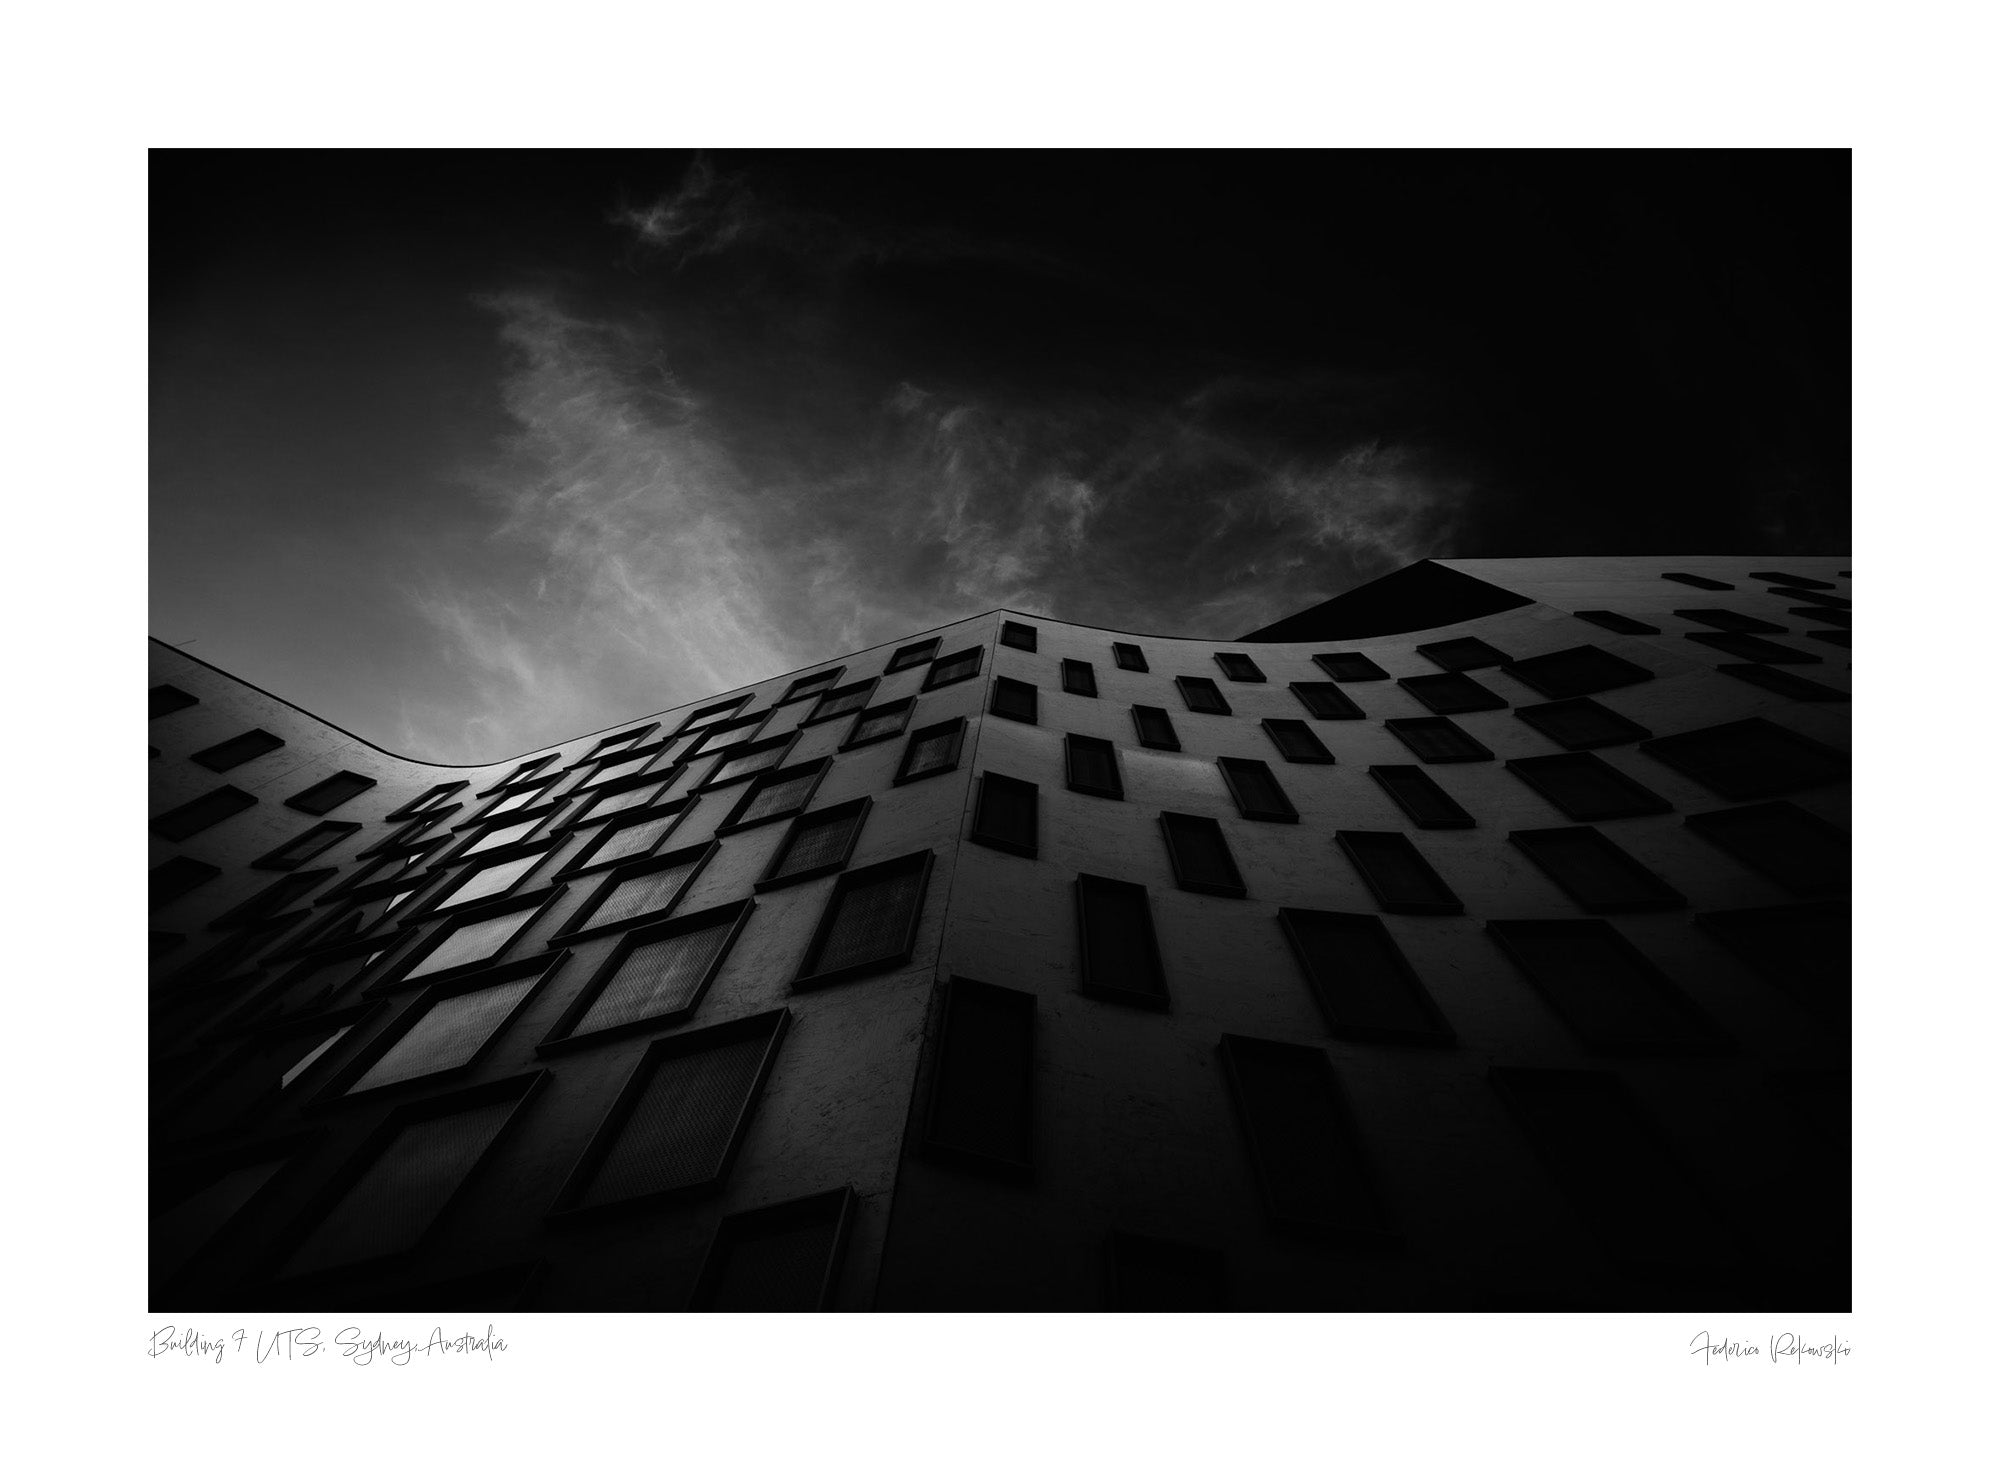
446	1035
658	978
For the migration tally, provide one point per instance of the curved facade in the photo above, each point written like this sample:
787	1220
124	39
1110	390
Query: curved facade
1026	965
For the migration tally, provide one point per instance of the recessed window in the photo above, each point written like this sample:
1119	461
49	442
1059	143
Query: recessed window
1730	621
626	797
1256	790
1017	636
1078	678
499	832
323	796
1581	724
1585	789
450	1026
880	723
912	655
1596	872
526	768
1798	851
722	709
1749	759
493	876
1792	687
1239	667
1092	766
1200	855
1803	948
1839	618
775	1260
953	668
1014	700
870	921
1296	742
1129	657
1793	580
676	1127
1007	815
610	768
176	878
1397	874
166	699
1451	693
1349	665
1617	623
1155	728
259	1075
474	938
1433	739
816	844
272	897
1613	1000
638	892
1311	1170
1841	637
1423	801
1121	958
1363	985
514	801
656	975
980	1110
1807	596
740	762
843	701
1584	670
430	801
811	684
1152	1276
1201	695
226	755
1752	647
626	740
1465	653
627	836
308	845
721	737
1695	580
202	813
1327	702
932	751
773	795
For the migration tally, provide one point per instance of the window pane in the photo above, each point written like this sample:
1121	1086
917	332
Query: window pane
657	978
1350	666
1200	855
1451	694
1121	960
871	920
1257	792
1156	728
1599	874
1603	988
1364	985
1462	654
1585	670
1078	677
981	1107
449	1034
1014	699
1423	801
1326	702
1007	814
1581	725
642	893
1586	789
499	878
473	942
1435	739
1396	873
1093	766
680	1130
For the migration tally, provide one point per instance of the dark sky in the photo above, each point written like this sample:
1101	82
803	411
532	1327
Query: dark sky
474	452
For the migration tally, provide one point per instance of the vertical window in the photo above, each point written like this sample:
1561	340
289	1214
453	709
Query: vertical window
1617	623
1613	1000
448	1028
1581	724
166	699
1257	792
1078	678
1397	874
881	723
1018	636
1595	871
912	655
816	844
1433	739
303	848
952	668
1327	702
1423	801
1155	728
226	755
1200	855
1464	653
1296	742
1092	767
185	820
1349	666
176	878
777	1260
639	892
1798	851
1584	670
1239	667
773	795
1362	983
1310	1166
870	921
1121	957
1749	758
1201	695
656	975
1014	699
980	1112
323	796
1451	693
1129	657
1585	789
1007	815
932	751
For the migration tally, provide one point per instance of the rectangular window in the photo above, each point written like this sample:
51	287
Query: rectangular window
498	833
1129	657
639	892
166	699
1296	742
431	801
202	813
1581	724
843	701
1397	874
1362	983
629	797
1730	621
1585	789
611	768
176	878
1617	623
1433	739
308	845
656	975
746	760
1451	693
708	713
1348	666
720	737
1155	728
773	795
932	751
1239	667
777	1260
1756	648
626	837
473	938
1014	700
514	801
1695	580
1793	580
880	723
1327	702
1792	687
1201	695
1311	1170
1018	636
1584	670
1007	815
626	740
1465	653
680	1120
1839	618
953	668
323	796
1749	759
1151	1276
1423	801
1200	855
1807	596
1841	637
981	1108
1787	844
450	1026
811	685
229	754
491	878
1803	948
1078	678
870	921
1091	766
1613	1000
526	768
816	844
1121	957
1595	871
912	655
272	897
1256	790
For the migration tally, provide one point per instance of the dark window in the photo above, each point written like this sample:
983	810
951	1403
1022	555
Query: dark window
175	878
1078	678
981	1107
932	751
491	876
625	837
1200	855
1018	636
1239	667
1121	958
739	762
1092	766
1839	637
1007	814
449	1027
610	801
777	1260
1792	847
1584	670
1327	702
1434	739
1618	623
912	655
1296	742
1014	699
1257	792
1803	948
720	737
260	1074
722	708
1152	1276
656	975
1201	695
637	893
816	844
1585	789
841	701
431	801
1350	665
1599	874
474	938
1747	759
1364	986
627	740
1614	1001
272	897
202	813
526	768
1463	654
303	848
609	769
1807	596
880	723
1423	801
774	794
1781	682
1129	657
1451	693
678	1123
1793	580
1310	1167
810	685
870	921
953	668
1753	647
1730	621
1695	580
166	699
1582	724
323	796
1839	618
1155	728
225	755
1397	874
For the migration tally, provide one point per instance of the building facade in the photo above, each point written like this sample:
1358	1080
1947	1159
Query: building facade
1476	940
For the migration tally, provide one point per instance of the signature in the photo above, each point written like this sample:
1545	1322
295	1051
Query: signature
351	1344
1777	1347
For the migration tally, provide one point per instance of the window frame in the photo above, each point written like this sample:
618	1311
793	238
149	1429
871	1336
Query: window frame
1403	727
1079	677
1118	993
283	858
717	778
1239	669
1173	740
1319	756
1507	933
302	801
210	758
922	863
587	804
954	728
837	1210
909	656
1662	896
1436	1032
1643	800
819	714
1122	656
698	718
444	925
1031	849
561	1038
974	656
1015	687
1233	767
1191	686
1354	844
235	798
1188	884
1010	627
806	687
953	1004
669	813
1674	752
1619	730
812	772
526	769
1781	682
1344	707
1115	790
1592	670
1451	692
858	807
1385	777
578	929
855	740
444	791
1349	667
1462	653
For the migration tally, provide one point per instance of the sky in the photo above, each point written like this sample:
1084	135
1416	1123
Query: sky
470	453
